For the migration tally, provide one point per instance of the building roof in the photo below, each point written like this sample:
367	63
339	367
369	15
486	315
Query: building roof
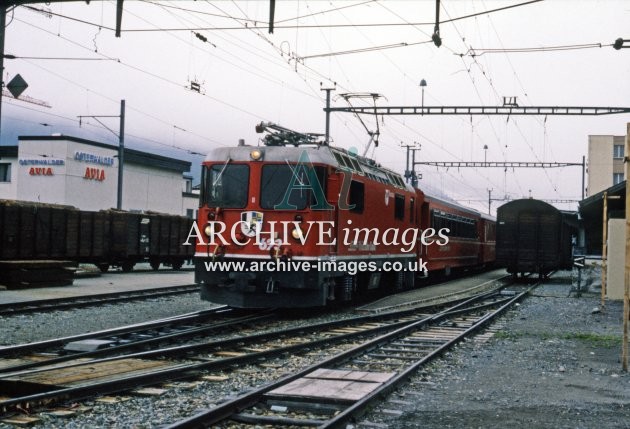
132	156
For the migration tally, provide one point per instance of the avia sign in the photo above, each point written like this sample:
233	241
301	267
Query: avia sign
97	174
41	171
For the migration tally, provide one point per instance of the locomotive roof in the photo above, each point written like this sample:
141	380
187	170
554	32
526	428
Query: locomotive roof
317	154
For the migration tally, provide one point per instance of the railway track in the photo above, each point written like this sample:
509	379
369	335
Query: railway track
43	305
116	341
335	391
78	378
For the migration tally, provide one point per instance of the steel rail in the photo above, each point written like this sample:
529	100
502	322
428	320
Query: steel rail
187	370
23	307
18	369
233	406
386	388
188	317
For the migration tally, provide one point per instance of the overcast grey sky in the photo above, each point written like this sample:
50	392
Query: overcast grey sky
247	75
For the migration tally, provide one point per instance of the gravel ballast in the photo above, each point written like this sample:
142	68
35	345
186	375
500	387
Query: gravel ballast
554	363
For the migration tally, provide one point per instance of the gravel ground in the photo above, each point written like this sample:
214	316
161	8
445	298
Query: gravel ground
27	328
555	364
179	399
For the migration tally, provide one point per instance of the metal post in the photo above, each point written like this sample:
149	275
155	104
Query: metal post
121	154
489	200
626	290
583	174
3	22
604	249
407	171
414	178
327	136
423	100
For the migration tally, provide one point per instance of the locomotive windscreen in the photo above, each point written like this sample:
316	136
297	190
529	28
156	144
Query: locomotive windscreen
277	179
226	185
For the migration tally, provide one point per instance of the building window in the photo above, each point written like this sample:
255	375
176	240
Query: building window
618	151
189	213
5	172
617	178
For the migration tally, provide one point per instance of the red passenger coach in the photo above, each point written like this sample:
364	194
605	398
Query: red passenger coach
464	245
488	238
297	223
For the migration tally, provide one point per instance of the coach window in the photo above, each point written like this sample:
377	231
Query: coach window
357	196
399	207
226	185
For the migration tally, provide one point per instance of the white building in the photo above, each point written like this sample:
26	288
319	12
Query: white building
605	162
84	174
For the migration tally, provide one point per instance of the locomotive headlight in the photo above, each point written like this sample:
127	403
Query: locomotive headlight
256	154
296	233
209	230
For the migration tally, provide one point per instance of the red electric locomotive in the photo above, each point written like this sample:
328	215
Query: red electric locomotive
297	223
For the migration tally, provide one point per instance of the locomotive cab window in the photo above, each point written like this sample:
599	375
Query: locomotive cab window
278	179
226	185
399	206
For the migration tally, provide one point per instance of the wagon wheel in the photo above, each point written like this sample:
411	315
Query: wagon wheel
177	265
155	265
103	267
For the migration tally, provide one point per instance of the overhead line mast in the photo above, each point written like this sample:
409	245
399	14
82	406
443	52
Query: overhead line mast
481	110
509	107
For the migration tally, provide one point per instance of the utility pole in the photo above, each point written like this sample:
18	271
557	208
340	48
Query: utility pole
327	109
121	145
626	289
410	172
583	175
121	154
3	23
489	200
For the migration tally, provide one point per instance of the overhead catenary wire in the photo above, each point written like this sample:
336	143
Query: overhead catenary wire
491	83
477	52
424	137
460	180
308	75
264	27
